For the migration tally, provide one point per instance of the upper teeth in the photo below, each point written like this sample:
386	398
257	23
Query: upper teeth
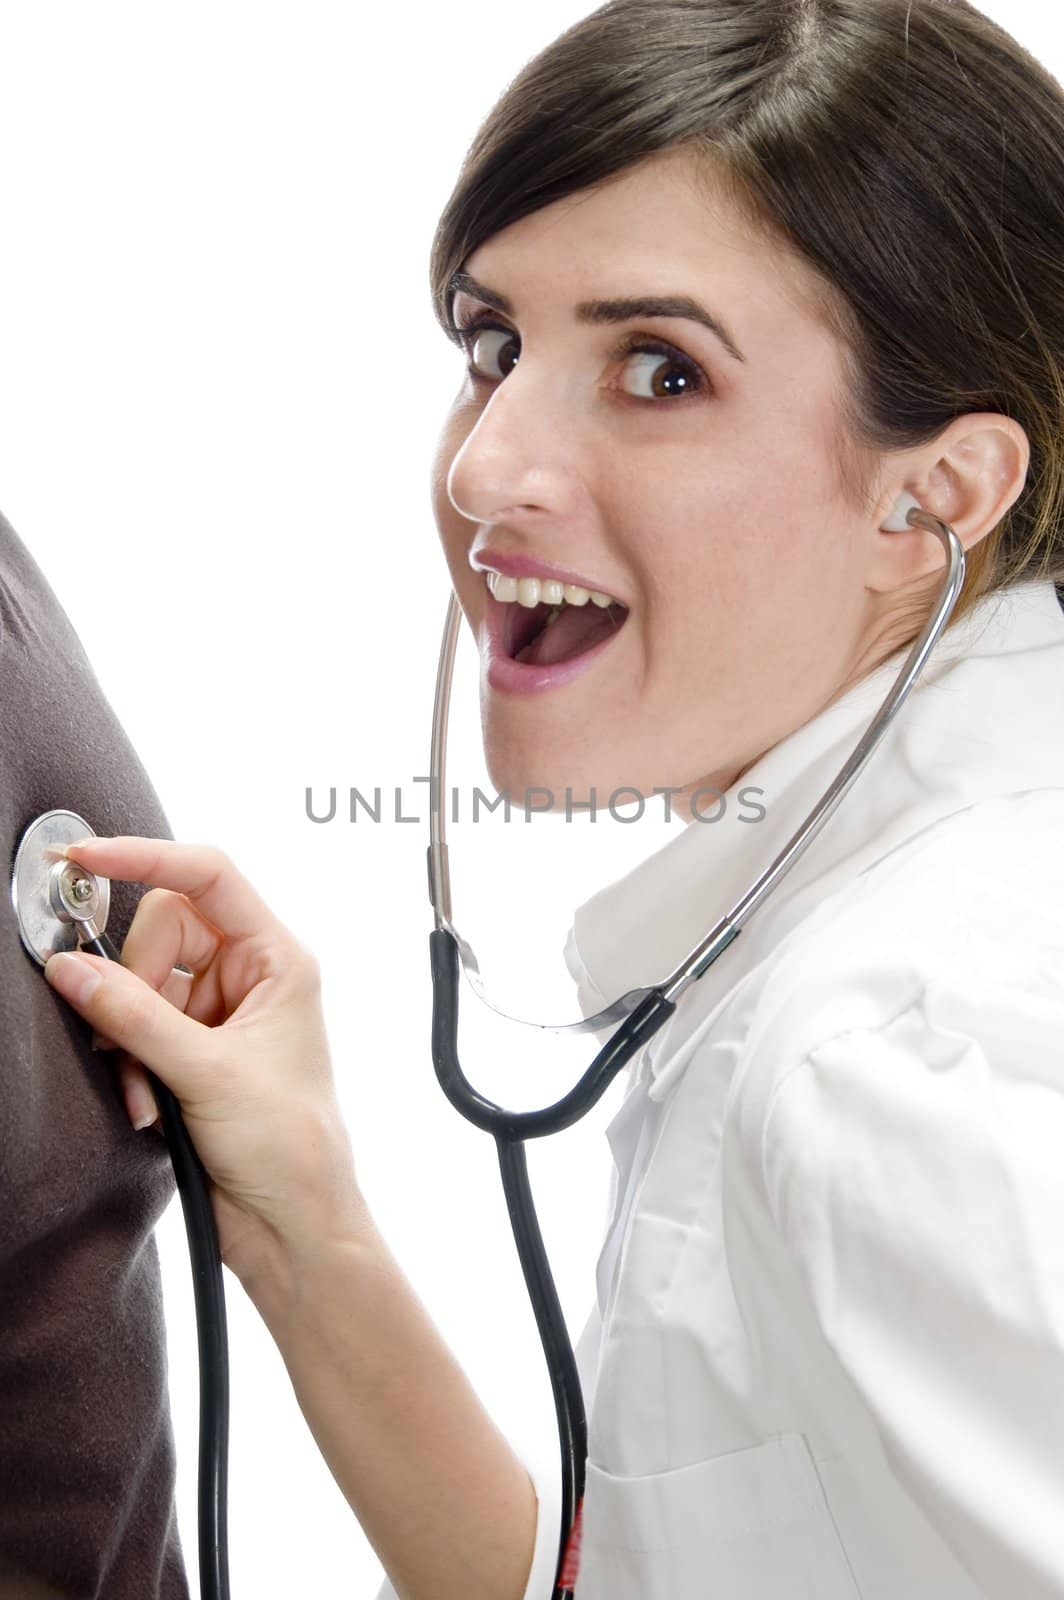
531	591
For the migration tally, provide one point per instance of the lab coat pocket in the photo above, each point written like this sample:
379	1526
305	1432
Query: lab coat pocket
749	1525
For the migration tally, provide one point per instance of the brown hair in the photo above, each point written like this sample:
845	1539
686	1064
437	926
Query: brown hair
910	152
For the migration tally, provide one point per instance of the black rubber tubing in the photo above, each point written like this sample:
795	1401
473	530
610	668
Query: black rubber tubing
209	1289
510	1129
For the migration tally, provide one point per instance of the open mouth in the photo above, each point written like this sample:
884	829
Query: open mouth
544	635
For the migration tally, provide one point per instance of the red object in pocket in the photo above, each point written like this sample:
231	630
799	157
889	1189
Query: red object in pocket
571	1560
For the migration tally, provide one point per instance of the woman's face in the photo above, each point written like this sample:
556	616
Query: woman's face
694	483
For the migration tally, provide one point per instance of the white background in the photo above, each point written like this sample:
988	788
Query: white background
222	385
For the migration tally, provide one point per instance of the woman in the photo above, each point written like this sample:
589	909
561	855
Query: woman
733	278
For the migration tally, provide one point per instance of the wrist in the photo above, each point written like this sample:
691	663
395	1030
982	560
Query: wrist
290	1265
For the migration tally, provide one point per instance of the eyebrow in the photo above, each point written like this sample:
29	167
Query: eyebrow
623	310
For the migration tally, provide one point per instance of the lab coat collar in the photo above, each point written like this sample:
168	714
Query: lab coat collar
983	719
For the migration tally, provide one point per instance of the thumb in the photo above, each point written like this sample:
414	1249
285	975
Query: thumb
129	1012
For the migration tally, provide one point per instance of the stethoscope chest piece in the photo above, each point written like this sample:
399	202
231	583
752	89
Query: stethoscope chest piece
57	903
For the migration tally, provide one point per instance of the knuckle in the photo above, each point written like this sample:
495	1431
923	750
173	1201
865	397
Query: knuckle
216	867
217	861
306	964
153	905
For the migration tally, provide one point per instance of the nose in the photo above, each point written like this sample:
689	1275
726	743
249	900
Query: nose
520	457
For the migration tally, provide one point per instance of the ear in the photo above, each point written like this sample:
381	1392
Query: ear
969	478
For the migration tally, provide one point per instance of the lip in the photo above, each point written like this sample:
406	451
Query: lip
517	566
520	677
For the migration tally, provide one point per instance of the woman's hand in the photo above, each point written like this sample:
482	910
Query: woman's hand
241	1043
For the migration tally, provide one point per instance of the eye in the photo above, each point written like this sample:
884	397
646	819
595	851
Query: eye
484	343
664	372
667	373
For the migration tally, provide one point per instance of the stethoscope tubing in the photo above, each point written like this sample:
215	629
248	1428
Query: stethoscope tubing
510	1129
557	1348
211	1330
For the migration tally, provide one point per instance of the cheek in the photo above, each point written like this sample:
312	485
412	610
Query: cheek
736	574
753	545
699	519
701	553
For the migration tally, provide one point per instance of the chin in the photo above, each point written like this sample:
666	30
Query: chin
574	779
521	772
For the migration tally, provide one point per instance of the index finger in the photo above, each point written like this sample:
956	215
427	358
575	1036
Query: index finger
201	872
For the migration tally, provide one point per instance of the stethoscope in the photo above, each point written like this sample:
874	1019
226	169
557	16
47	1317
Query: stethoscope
62	906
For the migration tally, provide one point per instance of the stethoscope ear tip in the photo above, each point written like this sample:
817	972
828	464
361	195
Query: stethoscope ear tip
898	521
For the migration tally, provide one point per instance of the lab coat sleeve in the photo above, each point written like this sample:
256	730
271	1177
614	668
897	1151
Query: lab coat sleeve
916	1172
545	1476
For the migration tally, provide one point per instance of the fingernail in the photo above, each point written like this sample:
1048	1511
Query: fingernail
140	1103
76	978
77	843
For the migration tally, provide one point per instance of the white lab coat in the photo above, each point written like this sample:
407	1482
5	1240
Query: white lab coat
826	1357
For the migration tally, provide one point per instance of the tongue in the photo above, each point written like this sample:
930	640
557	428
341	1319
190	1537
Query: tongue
574	630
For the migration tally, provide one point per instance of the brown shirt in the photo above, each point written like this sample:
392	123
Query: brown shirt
86	1442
